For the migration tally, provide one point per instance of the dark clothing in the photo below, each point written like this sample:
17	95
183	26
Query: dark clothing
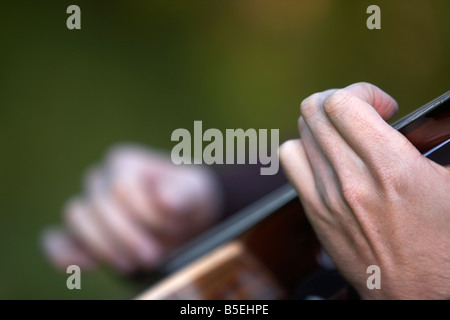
243	184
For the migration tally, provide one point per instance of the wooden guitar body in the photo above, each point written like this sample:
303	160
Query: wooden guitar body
267	261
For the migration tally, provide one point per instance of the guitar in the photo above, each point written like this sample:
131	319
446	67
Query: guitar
266	250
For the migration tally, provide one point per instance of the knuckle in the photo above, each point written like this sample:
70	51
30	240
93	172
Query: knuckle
286	149
363	88
311	105
391	179
336	102
363	84
354	195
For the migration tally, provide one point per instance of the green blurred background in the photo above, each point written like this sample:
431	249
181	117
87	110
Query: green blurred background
137	70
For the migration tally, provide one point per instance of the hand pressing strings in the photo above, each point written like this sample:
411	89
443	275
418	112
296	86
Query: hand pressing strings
371	197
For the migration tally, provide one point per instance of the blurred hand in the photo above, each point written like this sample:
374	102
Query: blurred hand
372	198
136	207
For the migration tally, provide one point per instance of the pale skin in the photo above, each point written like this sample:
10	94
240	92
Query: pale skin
136	206
371	197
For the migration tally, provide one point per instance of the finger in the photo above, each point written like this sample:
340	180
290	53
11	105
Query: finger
132	175
168	201
147	196
120	206
324	144
299	172
329	229
383	103
63	251
125	181
334	186
323	172
353	112
86	229
133	190
141	246
327	182
179	195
